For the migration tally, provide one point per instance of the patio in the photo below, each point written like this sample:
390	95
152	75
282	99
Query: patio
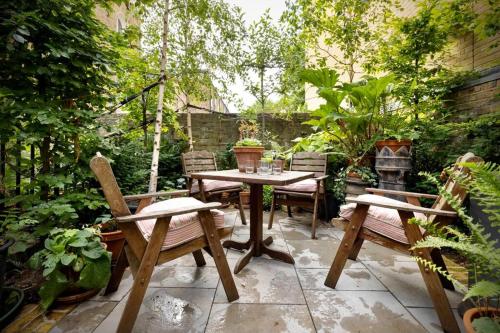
382	292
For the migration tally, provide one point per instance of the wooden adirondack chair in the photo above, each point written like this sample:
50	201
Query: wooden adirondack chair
190	223
206	190
365	215
306	193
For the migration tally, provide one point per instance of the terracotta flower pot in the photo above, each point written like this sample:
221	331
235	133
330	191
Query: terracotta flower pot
393	145
248	156
475	313
78	295
114	241
245	199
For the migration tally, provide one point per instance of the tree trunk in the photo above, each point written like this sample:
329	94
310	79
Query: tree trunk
32	168
18	167
262	102
153	181
144	103
189	126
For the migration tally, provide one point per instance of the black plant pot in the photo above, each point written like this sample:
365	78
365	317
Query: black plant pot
10	305
330	209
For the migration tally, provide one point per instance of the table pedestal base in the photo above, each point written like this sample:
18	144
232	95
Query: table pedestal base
253	252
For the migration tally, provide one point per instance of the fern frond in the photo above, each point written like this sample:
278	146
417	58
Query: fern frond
484	289
433	267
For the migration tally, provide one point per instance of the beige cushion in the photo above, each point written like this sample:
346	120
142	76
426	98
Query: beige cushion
214	185
307	185
182	228
384	221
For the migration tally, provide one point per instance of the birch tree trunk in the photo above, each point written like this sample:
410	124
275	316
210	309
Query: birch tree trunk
153	181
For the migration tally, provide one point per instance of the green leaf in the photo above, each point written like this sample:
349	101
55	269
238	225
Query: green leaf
484	289
79	242
56	283
486	325
66	260
96	273
93	253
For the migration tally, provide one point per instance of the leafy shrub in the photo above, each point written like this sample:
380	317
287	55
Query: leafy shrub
226	159
268	197
71	258
248	142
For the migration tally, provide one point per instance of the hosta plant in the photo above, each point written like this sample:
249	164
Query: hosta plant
474	243
72	259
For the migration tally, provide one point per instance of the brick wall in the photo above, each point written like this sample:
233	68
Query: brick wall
212	131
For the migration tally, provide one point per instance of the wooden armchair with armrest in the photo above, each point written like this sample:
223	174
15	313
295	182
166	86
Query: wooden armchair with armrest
385	221
161	232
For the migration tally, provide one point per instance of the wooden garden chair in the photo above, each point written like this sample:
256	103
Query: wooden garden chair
385	221
161	232
207	190
306	193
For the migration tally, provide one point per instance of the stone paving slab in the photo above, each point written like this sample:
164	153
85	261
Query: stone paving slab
350	279
359	311
405	281
85	317
166	310
265	281
251	318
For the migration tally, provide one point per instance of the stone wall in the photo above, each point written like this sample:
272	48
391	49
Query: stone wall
213	131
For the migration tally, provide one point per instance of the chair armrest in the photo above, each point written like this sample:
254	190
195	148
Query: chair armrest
135	197
321	178
403	206
402	193
167	212
186	176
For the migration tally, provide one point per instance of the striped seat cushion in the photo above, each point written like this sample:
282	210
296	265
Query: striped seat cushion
383	221
183	228
214	185
306	185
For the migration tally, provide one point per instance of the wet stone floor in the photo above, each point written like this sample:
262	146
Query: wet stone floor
380	292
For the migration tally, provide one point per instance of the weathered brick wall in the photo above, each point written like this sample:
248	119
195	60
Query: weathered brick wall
213	131
478	97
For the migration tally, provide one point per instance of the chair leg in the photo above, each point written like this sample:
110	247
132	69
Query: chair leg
242	211
226	277
271	215
141	280
346	245
288	209
133	262
437	258
315	217
431	278
198	257
353	255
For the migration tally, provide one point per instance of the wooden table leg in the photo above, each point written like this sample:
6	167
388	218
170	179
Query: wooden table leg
256	246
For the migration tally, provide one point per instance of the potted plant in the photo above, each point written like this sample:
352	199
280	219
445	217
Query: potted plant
248	150
111	236
11	299
475	244
75	265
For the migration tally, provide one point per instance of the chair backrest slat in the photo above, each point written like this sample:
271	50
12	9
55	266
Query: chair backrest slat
102	169
198	161
452	186
309	161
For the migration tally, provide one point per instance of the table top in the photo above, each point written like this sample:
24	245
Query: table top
285	178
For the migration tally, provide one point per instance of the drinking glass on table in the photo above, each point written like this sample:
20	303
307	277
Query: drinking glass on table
249	168
276	168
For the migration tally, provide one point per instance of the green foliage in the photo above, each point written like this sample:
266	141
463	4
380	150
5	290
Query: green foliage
486	325
354	115
267	197
71	258
339	181
226	160
480	249
131	166
248	142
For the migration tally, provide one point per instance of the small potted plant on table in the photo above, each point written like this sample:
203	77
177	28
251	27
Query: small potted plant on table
75	265
248	150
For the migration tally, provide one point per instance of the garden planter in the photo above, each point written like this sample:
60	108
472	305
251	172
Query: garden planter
475	313
354	185
245	199
10	304
248	156
393	145
114	241
77	295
